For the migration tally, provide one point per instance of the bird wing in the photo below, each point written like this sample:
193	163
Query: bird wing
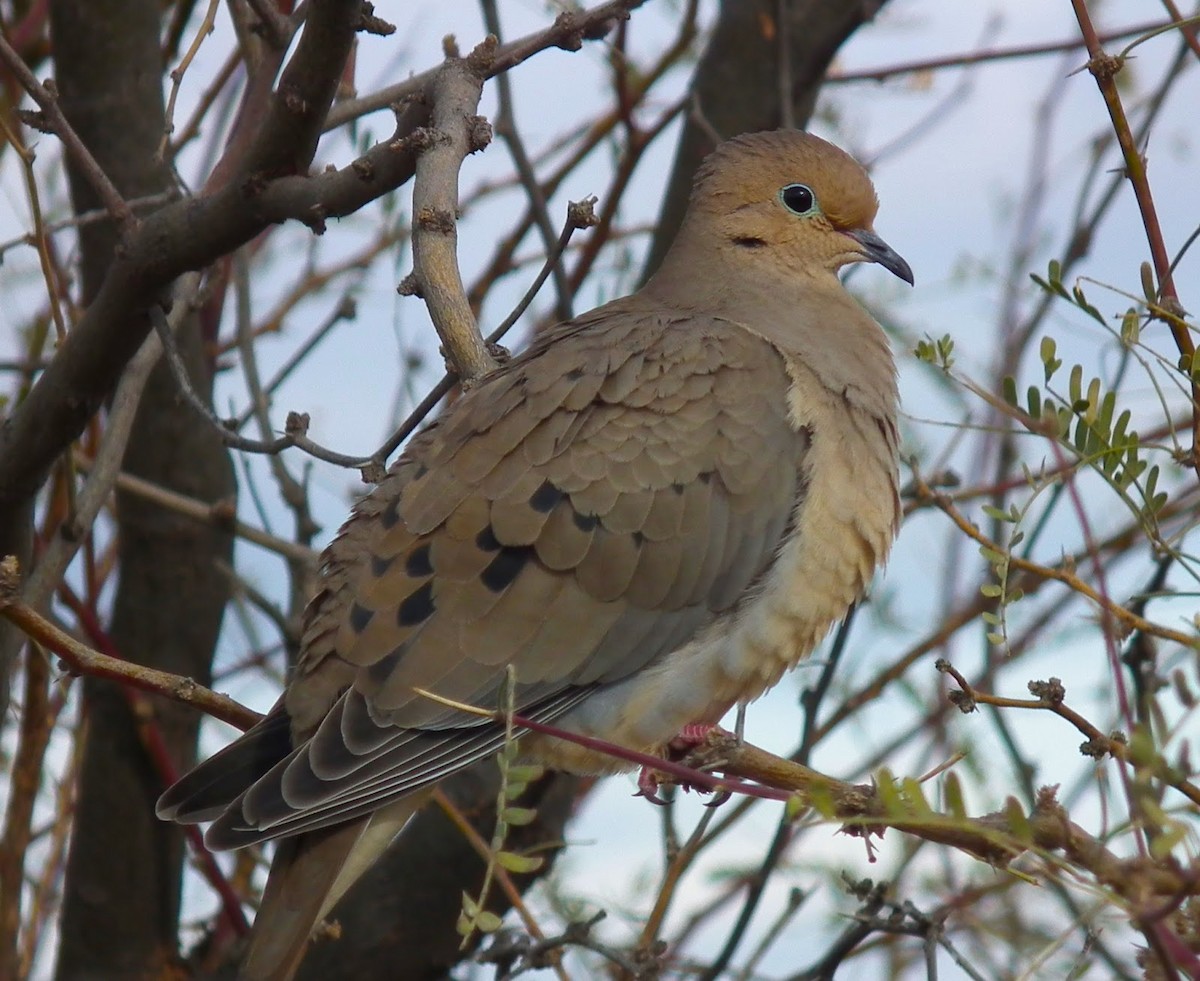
578	514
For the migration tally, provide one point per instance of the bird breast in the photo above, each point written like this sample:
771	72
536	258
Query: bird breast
843	525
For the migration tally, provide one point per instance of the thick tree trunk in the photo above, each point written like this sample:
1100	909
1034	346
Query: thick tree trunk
121	902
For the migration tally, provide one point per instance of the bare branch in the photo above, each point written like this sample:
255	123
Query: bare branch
85	660
456	132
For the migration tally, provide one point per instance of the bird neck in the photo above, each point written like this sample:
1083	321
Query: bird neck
805	313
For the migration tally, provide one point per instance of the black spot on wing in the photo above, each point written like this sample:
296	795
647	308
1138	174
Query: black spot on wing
585	522
360	618
417	608
505	567
545	497
486	540
380	564
381	670
418	564
391	513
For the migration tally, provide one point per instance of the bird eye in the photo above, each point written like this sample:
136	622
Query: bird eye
798	199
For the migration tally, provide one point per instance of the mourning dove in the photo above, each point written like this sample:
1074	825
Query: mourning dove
649	515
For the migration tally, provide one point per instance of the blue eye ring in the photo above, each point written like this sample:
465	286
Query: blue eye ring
798	199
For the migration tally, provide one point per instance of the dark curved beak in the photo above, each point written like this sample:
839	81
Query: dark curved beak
876	249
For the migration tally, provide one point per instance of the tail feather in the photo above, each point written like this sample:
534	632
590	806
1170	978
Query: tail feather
309	874
205	792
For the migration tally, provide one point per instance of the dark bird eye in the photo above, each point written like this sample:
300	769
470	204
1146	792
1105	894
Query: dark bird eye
798	198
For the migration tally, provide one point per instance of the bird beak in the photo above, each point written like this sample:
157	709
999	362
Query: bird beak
875	249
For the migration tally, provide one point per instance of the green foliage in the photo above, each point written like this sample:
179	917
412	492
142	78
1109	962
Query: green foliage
939	352
1087	419
514	779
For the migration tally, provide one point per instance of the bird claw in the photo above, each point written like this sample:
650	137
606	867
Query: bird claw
719	797
648	783
689	738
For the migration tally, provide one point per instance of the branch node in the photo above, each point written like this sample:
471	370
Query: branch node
10	579
296	424
368	23
410	285
483	56
35	120
1050	693
436	220
1105	67
582	214
479	133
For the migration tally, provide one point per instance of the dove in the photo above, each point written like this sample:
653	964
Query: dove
639	522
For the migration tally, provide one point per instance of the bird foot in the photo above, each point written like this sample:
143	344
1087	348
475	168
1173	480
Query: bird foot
690	737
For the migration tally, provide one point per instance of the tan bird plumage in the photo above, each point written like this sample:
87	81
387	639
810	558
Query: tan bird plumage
650	515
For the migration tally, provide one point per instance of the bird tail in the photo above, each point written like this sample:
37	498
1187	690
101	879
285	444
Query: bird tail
309	874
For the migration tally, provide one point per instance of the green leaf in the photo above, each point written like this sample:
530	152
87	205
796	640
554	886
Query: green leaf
793	807
1018	823
1050	363
526	772
1008	388
487	922
914	795
952	794
1035	402
990	590
1131	328
521	864
519	816
1075	385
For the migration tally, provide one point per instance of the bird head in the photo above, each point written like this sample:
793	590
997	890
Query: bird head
794	195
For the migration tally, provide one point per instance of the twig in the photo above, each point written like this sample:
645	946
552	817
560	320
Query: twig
46	96
203	31
154	744
293	491
1104	69
85	218
24	781
579	215
980	57
220	513
1060	574
1049	696
484	851
568	32
107	463
456	132
506	128
295	431
996	838
191	129
85	660
346	309
39	236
